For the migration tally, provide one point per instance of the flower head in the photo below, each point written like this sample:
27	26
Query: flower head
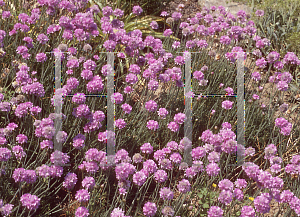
30	201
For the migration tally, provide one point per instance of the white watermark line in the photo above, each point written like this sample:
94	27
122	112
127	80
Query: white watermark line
58	108
240	106
188	125
240	110
110	146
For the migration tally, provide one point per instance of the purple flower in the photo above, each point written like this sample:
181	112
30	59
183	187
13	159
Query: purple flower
227	104
215	211
95	85
154	25
146	148
179	118
86	74
282	86
123	170
225	197
42	38
106	70
70	181
259	13
151	106
229	91
238	194
61	136
159	155
79	98
160	176
89	65
213	157
41	57
6	14
176	158
139	178
72	63
81	111
252	170
107	11
226	40
81	35
173	126
202	43
166	193
295	160
198	153
56	171
165	164
168	32
190	172
131	78
275	168
184	186
5	154
291	58
153	85
88	183
262	203
118	12
19	152
121	156
98	116
176	44
149	209
286	196
21	138
92	155
273	57
164	14
249	152
120	123
82	212
117	98
46	144
22	50
150	166
240	183
91	167
82	195
198	166
109	45
261	63
35	110
212	169
152	125
137	10
294	204
176	16
6	209
126	108
58	157
226	184
247	211
172	145
117	212
270	151
30	201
